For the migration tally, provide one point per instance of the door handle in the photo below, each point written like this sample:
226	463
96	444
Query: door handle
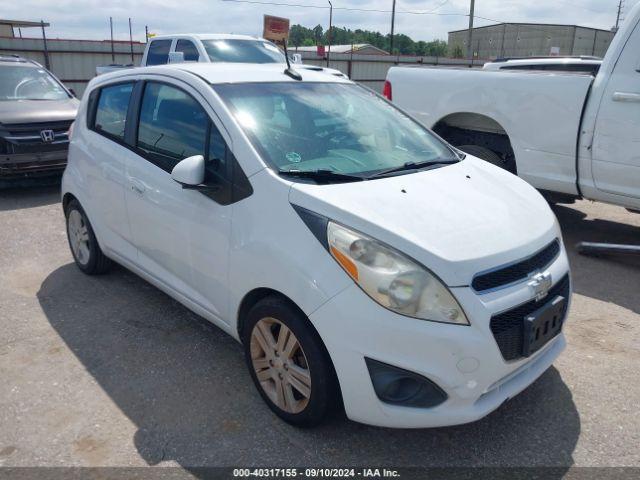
626	97
137	186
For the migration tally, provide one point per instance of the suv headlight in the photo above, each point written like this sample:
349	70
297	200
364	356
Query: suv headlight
391	278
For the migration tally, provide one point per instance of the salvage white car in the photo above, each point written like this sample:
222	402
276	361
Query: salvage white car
355	255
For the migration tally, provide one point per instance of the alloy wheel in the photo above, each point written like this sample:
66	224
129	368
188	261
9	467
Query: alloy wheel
78	237
280	365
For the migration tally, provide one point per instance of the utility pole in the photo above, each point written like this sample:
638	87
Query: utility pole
470	35
329	34
618	16
113	53
47	64
393	21
131	40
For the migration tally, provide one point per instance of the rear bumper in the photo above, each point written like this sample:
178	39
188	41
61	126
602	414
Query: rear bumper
32	164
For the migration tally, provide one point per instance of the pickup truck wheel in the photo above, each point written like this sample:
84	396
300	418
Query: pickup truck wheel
484	154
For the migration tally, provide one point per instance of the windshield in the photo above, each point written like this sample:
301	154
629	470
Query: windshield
243	51
24	82
343	128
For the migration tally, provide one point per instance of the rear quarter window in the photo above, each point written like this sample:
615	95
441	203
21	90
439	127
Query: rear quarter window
158	52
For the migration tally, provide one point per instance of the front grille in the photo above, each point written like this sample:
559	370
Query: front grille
508	327
517	271
22	129
24	138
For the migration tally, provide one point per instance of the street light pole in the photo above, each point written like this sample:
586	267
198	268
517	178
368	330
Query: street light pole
393	21
329	34
470	35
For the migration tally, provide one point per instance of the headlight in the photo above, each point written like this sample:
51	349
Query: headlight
392	279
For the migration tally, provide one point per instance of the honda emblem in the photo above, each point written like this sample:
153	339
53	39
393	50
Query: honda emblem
47	136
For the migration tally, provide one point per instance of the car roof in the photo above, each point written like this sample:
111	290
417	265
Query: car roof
15	59
206	36
217	73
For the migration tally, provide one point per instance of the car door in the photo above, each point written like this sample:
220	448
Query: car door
105	153
616	144
182	235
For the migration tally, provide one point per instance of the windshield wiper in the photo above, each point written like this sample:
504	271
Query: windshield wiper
323	175
411	166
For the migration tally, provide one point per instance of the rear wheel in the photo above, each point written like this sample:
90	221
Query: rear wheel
288	363
82	241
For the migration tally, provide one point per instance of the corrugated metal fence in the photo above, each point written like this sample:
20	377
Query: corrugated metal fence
371	70
75	61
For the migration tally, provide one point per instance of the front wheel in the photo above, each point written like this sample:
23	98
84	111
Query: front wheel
82	241
288	363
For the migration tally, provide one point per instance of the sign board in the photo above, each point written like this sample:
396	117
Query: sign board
276	29
320	50
555	51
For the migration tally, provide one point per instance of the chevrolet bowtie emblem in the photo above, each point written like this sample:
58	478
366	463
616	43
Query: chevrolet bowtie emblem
540	284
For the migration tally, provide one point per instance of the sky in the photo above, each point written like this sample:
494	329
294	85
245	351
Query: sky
89	19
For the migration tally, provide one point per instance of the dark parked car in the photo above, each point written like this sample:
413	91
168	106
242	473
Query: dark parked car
36	111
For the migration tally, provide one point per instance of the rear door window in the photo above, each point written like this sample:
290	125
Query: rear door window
111	110
189	49
158	52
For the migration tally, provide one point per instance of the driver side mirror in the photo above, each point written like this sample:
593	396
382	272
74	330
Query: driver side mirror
190	173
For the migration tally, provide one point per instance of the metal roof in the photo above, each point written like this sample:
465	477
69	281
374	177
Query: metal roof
22	23
532	25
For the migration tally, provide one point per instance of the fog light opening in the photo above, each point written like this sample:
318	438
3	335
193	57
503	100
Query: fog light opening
396	386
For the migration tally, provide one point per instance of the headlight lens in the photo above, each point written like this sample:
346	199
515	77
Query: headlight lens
392	279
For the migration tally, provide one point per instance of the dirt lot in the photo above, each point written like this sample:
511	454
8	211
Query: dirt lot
110	371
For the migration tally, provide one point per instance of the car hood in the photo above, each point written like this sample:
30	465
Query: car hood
457	220
31	111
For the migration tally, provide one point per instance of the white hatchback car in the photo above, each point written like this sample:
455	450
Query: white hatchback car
354	254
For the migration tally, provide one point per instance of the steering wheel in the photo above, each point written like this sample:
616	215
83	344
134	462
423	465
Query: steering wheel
21	84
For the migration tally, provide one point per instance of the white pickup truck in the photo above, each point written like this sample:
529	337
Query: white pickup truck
565	133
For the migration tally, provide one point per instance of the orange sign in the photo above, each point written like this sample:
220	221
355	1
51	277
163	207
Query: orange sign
276	29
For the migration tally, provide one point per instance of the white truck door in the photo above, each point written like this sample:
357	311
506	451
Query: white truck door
616	142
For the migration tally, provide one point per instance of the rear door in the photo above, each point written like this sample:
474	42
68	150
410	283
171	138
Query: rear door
105	153
616	144
182	235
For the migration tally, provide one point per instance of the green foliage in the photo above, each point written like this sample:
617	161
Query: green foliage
457	51
402	44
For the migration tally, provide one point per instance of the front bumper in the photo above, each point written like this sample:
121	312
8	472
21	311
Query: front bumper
464	361
16	166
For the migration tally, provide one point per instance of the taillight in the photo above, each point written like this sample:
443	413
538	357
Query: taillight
386	90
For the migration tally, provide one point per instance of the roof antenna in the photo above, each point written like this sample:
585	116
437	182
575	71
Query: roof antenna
290	71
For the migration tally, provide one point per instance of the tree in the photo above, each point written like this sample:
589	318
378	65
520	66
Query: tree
403	44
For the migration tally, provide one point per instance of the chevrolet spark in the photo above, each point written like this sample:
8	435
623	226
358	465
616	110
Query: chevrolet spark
358	258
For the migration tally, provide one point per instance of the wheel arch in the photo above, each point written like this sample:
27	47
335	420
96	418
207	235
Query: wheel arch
464	128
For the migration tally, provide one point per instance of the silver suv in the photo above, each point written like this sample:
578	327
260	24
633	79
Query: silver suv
36	111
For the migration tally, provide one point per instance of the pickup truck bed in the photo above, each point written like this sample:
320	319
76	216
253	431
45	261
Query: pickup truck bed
540	129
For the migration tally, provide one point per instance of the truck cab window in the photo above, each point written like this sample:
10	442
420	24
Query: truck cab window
188	49
158	52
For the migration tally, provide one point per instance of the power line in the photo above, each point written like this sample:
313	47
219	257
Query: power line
350	9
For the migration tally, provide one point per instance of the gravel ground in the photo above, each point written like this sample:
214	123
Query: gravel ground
109	371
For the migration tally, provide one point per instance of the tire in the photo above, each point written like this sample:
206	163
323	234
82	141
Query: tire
83	243
309	390
484	154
